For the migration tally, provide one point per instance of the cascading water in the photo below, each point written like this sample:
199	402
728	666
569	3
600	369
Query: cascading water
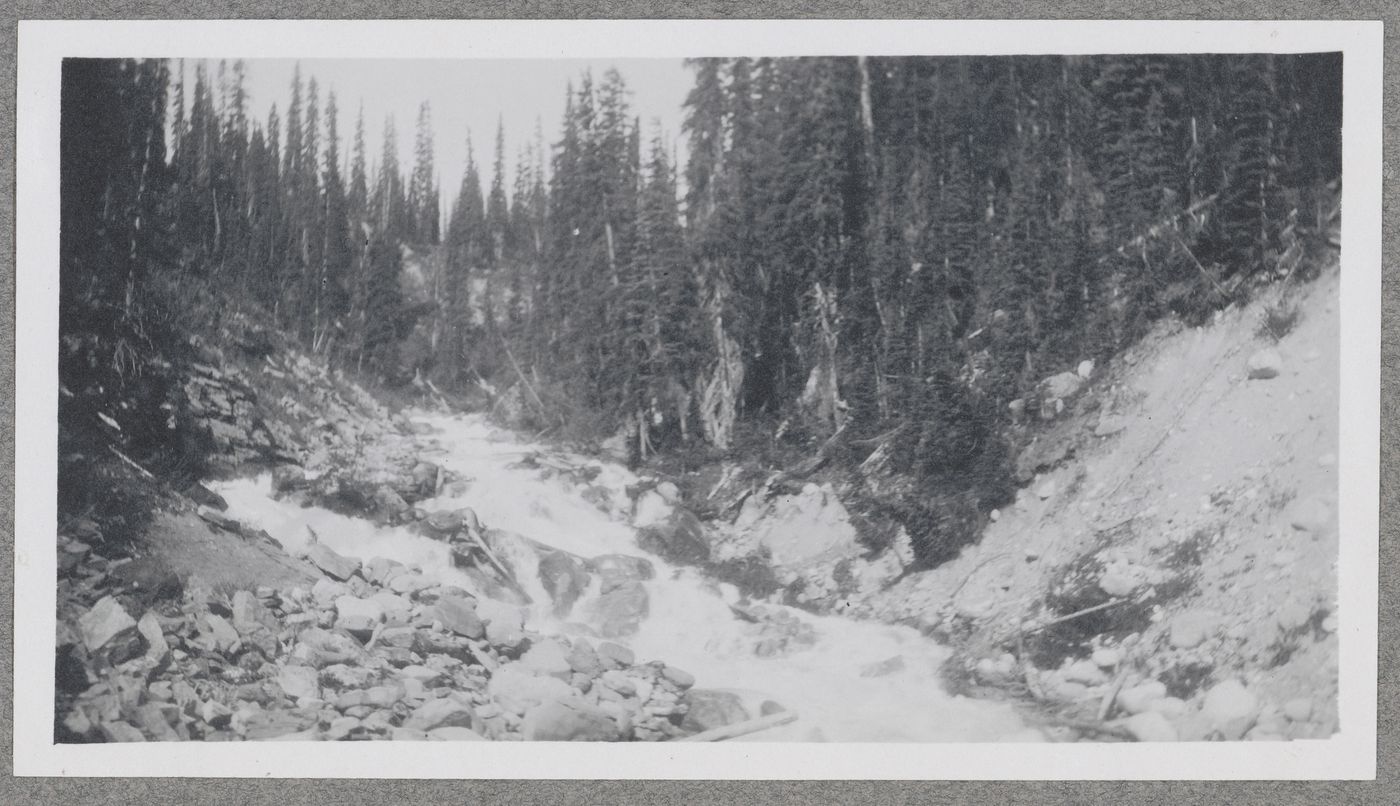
690	622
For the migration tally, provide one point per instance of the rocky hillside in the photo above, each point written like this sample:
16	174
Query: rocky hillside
196	626
1167	570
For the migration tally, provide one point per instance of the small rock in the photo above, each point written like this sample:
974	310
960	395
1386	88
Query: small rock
583	659
1265	364
1231	708
1314	516
1150	726
380	570
1086	368
1299	709
1046	490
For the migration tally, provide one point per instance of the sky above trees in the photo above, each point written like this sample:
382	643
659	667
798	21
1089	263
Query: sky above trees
466	95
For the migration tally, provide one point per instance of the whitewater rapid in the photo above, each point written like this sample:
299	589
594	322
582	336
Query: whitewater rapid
690	624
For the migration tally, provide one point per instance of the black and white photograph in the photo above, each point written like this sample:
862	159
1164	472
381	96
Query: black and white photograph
745	397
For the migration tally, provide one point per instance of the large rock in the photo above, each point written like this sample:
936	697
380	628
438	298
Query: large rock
620	611
156	647
1193	627
679	538
459	615
380	570
616	569
1062	386
288	477
564	579
569	720
1150	726
299	682
388	503
518	690
440	713
320	648
710	708
548	657
331	563
107	628
358	616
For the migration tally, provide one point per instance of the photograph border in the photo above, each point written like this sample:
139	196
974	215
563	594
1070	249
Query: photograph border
1351	754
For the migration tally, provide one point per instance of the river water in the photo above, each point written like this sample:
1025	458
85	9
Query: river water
690	622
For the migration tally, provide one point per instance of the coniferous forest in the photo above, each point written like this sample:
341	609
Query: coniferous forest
864	261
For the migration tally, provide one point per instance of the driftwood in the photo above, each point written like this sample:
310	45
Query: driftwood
743	728
1076	614
139	469
506	575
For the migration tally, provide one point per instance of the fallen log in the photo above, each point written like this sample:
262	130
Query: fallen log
742	728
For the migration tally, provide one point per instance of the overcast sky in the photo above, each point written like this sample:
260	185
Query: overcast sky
465	95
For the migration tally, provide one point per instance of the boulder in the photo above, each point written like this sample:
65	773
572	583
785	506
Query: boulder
549	658
1150	726
380	570
1085	369
440	713
1231	708
156	647
358	616
620	611
679	538
249	614
388	503
679	678
320	648
615	656
569	720
1062	386
332	564
564	579
518	690
459	615
712	708
444	521
583	659
615	569
217	631
1139	698
1193	627
454	733
1265	364
288	477
299	682
398	610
